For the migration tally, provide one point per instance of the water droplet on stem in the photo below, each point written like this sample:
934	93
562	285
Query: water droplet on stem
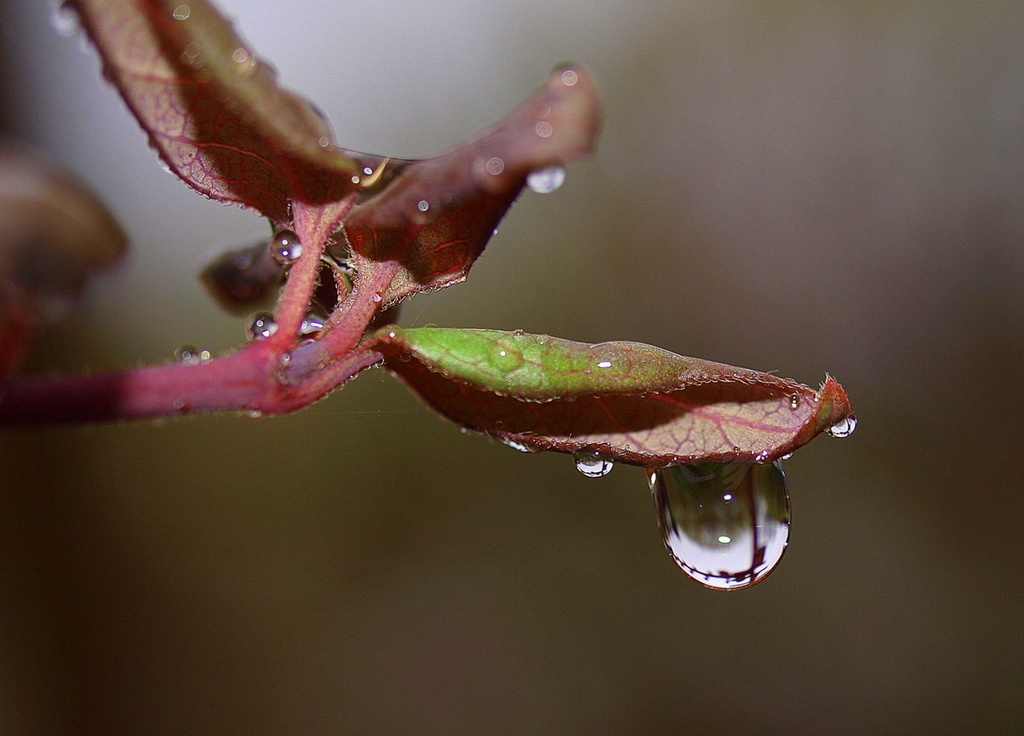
285	247
262	326
725	524
312	324
191	355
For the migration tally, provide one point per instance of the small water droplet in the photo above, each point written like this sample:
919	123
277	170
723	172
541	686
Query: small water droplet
423	205
593	463
517	445
312	324
725	524
794	402
604	364
191	355
762	456
506	360
285	247
182	12
191	55
262	326
244	60
787	456
544	129
546	180
569	78
180	404
255	413
377	297
166	166
494	166
843	428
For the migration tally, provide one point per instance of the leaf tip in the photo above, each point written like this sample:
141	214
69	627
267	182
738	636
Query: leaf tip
833	408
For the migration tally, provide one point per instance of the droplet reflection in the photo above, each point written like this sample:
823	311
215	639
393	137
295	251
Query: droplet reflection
844	427
285	247
593	463
726	524
547	180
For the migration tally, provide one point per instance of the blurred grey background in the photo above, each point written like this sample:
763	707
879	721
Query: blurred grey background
799	186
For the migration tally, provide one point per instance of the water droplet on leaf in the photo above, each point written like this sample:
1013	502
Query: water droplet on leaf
182	12
245	62
285	247
262	326
843	428
544	129
569	78
517	445
725	524
794	402
546	180
506	359
191	55
494	166
592	463
423	205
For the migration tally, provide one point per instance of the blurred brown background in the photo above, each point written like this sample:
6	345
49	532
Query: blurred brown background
799	186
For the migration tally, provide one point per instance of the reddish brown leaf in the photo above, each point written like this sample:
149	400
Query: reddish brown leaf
709	411
436	215
212	109
53	234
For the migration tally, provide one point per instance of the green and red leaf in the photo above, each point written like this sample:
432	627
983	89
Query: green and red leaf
631	402
213	109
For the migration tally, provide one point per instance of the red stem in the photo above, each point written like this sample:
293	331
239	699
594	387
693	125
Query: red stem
269	376
243	381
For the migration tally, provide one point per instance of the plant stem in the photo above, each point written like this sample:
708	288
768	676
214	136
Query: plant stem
246	380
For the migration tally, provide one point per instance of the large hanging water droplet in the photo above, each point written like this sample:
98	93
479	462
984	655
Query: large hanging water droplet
843	428
726	524
262	326
592	463
547	180
285	247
